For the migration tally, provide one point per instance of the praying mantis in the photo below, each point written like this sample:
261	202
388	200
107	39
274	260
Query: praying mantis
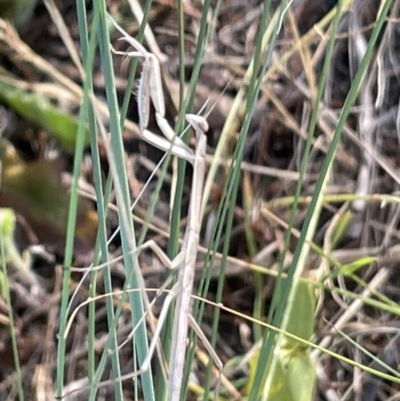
150	89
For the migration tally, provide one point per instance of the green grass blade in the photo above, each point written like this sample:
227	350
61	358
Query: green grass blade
80	142
134	278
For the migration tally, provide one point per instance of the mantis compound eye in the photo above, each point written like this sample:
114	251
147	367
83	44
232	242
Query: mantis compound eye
199	123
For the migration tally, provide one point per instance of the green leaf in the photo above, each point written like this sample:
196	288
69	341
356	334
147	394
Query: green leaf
341	228
351	268
37	109
301	321
35	191
17	11
300	377
7	229
292	360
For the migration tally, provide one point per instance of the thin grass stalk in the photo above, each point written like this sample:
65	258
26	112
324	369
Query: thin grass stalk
83	35
108	346
181	54
380	297
173	242
5	293
135	280
202	42
370	355
70	237
258	278
88	51
111	349
383	305
91	358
